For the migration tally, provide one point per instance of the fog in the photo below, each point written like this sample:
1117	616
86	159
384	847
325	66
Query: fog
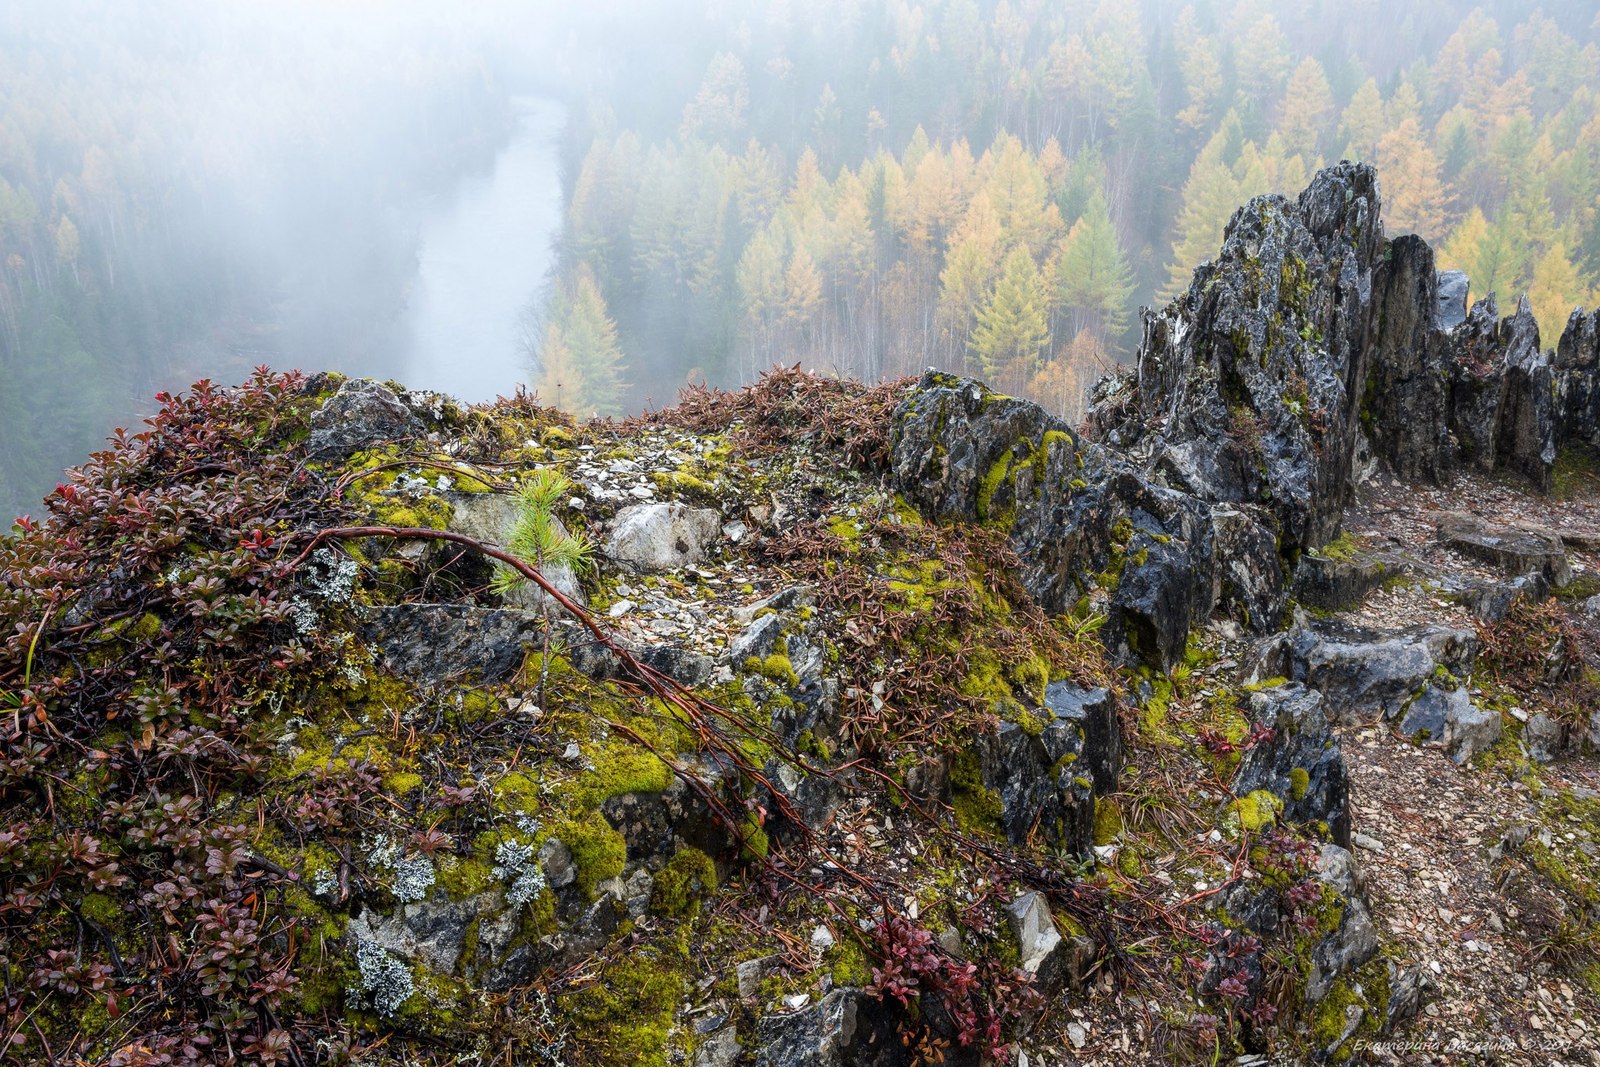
605	201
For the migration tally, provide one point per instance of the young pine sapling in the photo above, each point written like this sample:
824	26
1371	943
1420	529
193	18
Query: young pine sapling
540	540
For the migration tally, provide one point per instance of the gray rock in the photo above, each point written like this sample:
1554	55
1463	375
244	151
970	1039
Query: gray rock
429	643
361	414
433	932
1348	947
1512	549
681	665
1302	765
1544	737
751	973
719	1049
1082	521
1337	584
1470	731
1409	990
1248	581
555	859
814	797
1042	799
1451	291
1407	389
1362	672
846	1029
1493	601
653	538
759	640
1427	716
1338	868
1247	387
658	824
1090	715
1577	380
1527	436
1035	930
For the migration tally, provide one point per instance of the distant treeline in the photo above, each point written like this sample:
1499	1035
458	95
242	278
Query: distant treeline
875	186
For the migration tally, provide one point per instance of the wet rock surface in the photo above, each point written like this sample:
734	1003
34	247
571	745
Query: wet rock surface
432	642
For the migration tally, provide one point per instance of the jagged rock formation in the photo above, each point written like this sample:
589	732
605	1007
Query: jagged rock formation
954	702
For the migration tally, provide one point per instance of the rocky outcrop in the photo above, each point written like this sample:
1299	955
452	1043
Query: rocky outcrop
1247	389
1361	673
846	1029
1512	550
1407	390
1087	526
362	413
1577	380
430	642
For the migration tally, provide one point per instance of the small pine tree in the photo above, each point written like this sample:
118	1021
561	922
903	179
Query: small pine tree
1013	328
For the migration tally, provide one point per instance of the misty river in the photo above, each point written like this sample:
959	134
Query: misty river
482	254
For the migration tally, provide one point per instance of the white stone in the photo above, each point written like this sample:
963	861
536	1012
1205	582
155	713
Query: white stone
1037	936
653	538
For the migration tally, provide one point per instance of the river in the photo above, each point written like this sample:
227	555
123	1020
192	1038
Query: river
482	254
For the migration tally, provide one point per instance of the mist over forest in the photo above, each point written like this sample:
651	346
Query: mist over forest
863	187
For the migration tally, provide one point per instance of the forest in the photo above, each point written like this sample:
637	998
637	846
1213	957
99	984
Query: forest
864	187
996	188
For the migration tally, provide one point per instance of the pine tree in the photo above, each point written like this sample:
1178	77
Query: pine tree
1062	385
1016	188
1307	103
968	271
579	358
1093	282
1209	198
1013	328
1362	122
1262	61
718	110
1556	290
1414	198
1485	252
1202	72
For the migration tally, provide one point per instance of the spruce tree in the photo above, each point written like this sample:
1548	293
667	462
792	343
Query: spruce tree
1013	328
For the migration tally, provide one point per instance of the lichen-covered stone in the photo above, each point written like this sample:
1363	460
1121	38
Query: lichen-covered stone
656	538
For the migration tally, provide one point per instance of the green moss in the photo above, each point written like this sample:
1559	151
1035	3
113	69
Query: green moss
756	842
101	909
1576	470
1332	1018
1299	782
775	668
680	887
977	807
464	876
1340	549
848	964
1258	811
402	782
1107	821
598	851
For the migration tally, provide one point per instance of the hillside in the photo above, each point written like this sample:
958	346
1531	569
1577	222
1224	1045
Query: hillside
1253	719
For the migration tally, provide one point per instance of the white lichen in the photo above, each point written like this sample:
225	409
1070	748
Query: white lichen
517	865
410	876
385	979
413	878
